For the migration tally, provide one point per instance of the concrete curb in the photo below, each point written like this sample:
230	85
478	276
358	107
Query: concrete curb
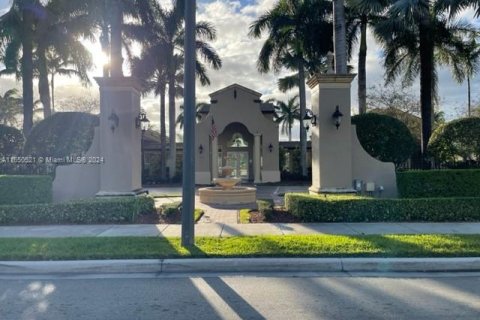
169	266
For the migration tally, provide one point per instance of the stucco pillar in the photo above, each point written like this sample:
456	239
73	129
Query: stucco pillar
256	158
120	139
214	158
331	147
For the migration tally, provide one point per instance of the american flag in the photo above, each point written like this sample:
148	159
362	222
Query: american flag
213	130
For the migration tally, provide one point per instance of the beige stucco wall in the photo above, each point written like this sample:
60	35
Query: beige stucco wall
240	109
369	169
120	172
78	181
331	148
337	156
121	148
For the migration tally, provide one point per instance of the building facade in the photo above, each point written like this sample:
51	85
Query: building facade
237	129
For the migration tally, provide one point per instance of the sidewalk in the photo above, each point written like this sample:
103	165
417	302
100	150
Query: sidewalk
228	230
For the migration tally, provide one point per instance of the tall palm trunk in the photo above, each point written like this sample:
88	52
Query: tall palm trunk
426	86
303	107
105	36
290	132
171	121
362	72
163	137
43	85
27	68
105	44
469	97
116	59
52	87
339	35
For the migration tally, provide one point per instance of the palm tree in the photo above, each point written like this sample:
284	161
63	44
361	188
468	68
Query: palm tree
69	66
10	107
198	115
164	37
16	34
466	65
150	68
339	36
59	32
454	7
412	35
362	13
290	44
174	41
286	114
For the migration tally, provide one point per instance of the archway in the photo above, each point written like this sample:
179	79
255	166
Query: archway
235	149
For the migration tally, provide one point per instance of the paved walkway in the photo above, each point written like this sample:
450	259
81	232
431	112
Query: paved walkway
226	230
223	214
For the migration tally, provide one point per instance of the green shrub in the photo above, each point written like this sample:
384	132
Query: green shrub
439	183
384	137
170	209
25	189
362	209
100	210
63	134
265	208
458	140
11	141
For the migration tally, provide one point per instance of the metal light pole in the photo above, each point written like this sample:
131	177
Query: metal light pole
188	195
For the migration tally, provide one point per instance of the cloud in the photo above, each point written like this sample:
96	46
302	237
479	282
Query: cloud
239	54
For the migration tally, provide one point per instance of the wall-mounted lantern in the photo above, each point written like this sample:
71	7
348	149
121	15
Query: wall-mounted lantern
200	149
141	121
270	148
113	120
337	117
310	117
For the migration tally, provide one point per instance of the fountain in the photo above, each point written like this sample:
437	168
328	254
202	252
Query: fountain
227	191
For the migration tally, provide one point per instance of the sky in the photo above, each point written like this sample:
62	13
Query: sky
5	6
239	55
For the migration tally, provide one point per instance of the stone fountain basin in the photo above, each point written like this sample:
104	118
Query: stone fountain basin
227	183
235	195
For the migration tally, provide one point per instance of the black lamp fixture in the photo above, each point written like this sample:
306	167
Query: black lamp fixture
337	117
309	116
200	149
270	148
113	120
141	121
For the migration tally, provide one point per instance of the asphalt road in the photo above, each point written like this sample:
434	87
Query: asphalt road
265	296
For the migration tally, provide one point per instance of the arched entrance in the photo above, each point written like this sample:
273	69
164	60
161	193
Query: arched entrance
235	149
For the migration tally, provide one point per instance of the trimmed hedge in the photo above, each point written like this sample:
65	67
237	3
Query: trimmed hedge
265	207
439	183
25	189
170	209
11	141
335	208
458	139
100	210
384	137
63	134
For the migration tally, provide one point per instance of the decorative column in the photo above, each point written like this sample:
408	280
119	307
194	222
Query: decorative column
120	137
214	158
256	158
331	146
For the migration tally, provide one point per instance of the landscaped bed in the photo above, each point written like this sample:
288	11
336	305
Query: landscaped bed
116	210
169	213
259	246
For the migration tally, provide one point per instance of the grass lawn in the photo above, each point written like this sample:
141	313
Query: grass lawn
260	246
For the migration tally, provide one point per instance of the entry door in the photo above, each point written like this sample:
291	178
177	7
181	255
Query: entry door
238	160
